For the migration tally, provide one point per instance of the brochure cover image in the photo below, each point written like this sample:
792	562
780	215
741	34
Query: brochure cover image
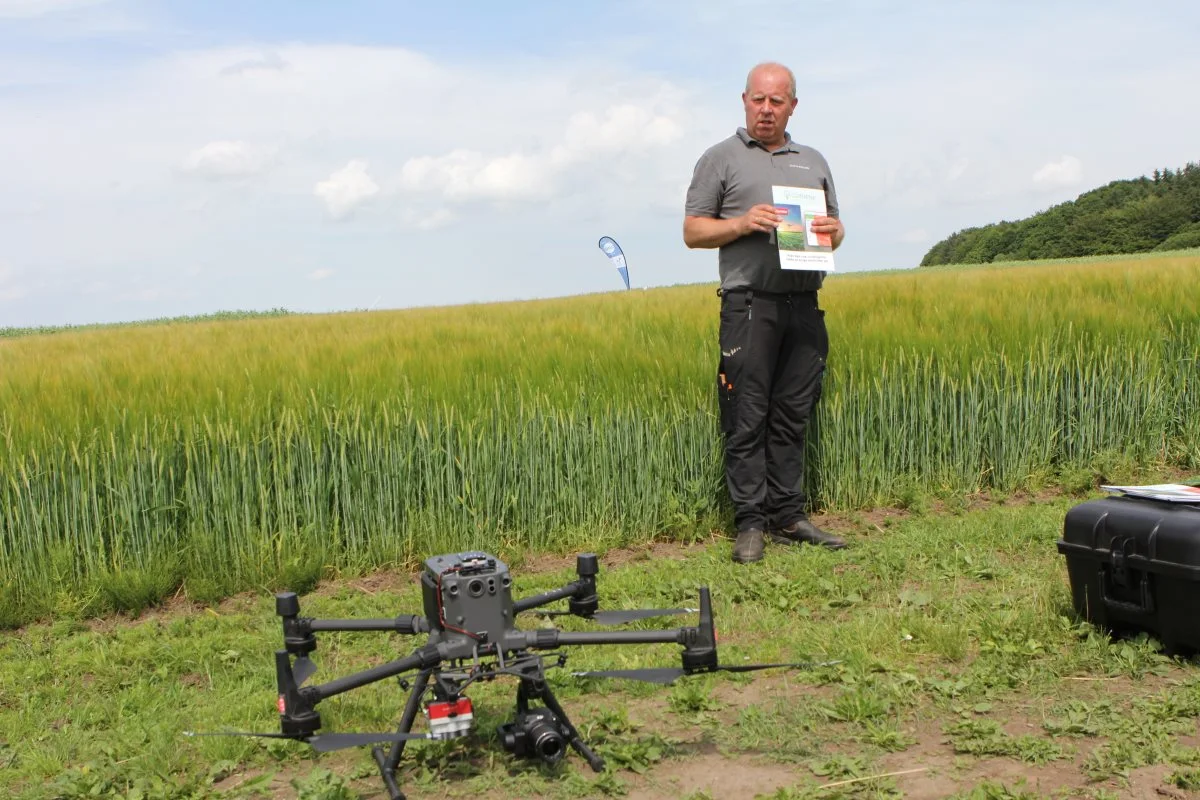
799	246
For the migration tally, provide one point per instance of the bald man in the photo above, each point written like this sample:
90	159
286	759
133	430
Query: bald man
773	341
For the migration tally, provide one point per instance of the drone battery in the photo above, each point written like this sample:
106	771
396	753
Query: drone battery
1134	567
449	719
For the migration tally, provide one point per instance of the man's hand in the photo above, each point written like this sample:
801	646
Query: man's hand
830	226
762	218
710	232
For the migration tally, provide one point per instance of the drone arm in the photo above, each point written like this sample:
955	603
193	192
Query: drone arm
581	593
699	641
407	624
569	590
548	638
425	658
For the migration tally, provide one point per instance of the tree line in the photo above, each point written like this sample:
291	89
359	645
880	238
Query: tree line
1156	212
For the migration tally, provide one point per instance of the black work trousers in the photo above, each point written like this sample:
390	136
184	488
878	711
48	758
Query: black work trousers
773	351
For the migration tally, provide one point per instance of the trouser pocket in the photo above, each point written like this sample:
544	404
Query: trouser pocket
734	336
726	399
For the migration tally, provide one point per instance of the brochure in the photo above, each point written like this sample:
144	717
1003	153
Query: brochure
799	247
1171	492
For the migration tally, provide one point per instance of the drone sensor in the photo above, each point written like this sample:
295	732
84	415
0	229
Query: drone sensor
450	719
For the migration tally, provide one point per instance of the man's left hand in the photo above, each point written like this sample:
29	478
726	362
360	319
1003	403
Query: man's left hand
831	226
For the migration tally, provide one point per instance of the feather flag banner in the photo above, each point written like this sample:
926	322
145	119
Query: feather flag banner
613	250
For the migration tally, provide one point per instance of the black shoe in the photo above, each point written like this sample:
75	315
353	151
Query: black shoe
749	546
804	532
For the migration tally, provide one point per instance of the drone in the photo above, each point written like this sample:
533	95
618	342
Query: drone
470	621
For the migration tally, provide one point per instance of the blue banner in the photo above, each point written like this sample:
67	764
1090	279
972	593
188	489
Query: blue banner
613	250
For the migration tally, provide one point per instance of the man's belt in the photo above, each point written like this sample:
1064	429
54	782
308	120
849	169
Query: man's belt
782	296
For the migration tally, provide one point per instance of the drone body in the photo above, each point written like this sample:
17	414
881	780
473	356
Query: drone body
472	635
467	589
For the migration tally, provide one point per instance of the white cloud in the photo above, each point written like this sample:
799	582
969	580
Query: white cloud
27	9
470	175
287	116
626	130
1065	172
915	236
319	274
347	189
226	159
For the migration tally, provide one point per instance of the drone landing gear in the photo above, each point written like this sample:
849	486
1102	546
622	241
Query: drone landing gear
541	732
388	763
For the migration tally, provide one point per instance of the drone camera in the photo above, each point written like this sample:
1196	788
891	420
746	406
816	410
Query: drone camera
535	734
450	719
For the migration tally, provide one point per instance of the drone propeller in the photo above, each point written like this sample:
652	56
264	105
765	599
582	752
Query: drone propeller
659	675
667	675
328	742
303	669
621	617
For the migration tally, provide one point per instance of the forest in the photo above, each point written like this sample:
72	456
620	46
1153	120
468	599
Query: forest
1156	212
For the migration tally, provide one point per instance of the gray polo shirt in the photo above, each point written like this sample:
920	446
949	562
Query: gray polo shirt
737	174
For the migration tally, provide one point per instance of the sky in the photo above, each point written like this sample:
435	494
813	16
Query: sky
173	158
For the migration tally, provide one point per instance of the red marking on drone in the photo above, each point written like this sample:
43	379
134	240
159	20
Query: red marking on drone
449	719
282	705
460	707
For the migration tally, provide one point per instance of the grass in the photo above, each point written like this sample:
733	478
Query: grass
234	454
957	650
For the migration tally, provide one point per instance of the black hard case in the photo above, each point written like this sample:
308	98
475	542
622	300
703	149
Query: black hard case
1134	566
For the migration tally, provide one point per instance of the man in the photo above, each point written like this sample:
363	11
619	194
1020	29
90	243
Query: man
772	332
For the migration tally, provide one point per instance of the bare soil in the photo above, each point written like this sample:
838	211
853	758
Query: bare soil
927	769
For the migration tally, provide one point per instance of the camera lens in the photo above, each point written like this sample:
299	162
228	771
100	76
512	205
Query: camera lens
475	587
549	746
547	739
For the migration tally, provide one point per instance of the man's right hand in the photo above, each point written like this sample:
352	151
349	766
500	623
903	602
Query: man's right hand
762	218
710	232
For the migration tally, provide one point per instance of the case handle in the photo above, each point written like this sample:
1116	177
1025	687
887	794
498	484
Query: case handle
1121	549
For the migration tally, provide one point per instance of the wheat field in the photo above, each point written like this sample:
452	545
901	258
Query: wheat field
215	456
